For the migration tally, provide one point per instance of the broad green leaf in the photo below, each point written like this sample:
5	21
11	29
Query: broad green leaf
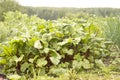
46	50
47	36
31	60
45	43
41	62
78	57
24	66
64	49
32	41
38	44
54	43
99	63
55	60
59	34
53	53
65	41
54	57
76	64
86	64
70	52
76	40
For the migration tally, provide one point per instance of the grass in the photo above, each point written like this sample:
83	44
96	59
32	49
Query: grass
74	76
112	30
82	76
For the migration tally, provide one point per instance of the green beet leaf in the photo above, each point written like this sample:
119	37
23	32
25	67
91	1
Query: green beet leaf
38	44
86	64
55	57
24	66
70	52
54	60
41	62
99	63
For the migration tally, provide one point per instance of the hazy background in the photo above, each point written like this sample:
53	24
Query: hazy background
54	9
71	3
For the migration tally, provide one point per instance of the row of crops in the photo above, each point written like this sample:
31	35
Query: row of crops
30	46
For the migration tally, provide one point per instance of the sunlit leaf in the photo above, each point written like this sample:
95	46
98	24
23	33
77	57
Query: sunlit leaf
14	77
31	60
54	57
20	58
70	52
76	40
46	50
38	44
3	61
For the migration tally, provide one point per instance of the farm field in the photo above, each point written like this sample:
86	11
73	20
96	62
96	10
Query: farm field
69	48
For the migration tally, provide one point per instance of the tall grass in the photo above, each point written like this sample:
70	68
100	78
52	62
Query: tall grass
111	29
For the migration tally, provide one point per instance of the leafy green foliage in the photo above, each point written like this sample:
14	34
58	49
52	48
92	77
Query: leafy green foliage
50	47
9	5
